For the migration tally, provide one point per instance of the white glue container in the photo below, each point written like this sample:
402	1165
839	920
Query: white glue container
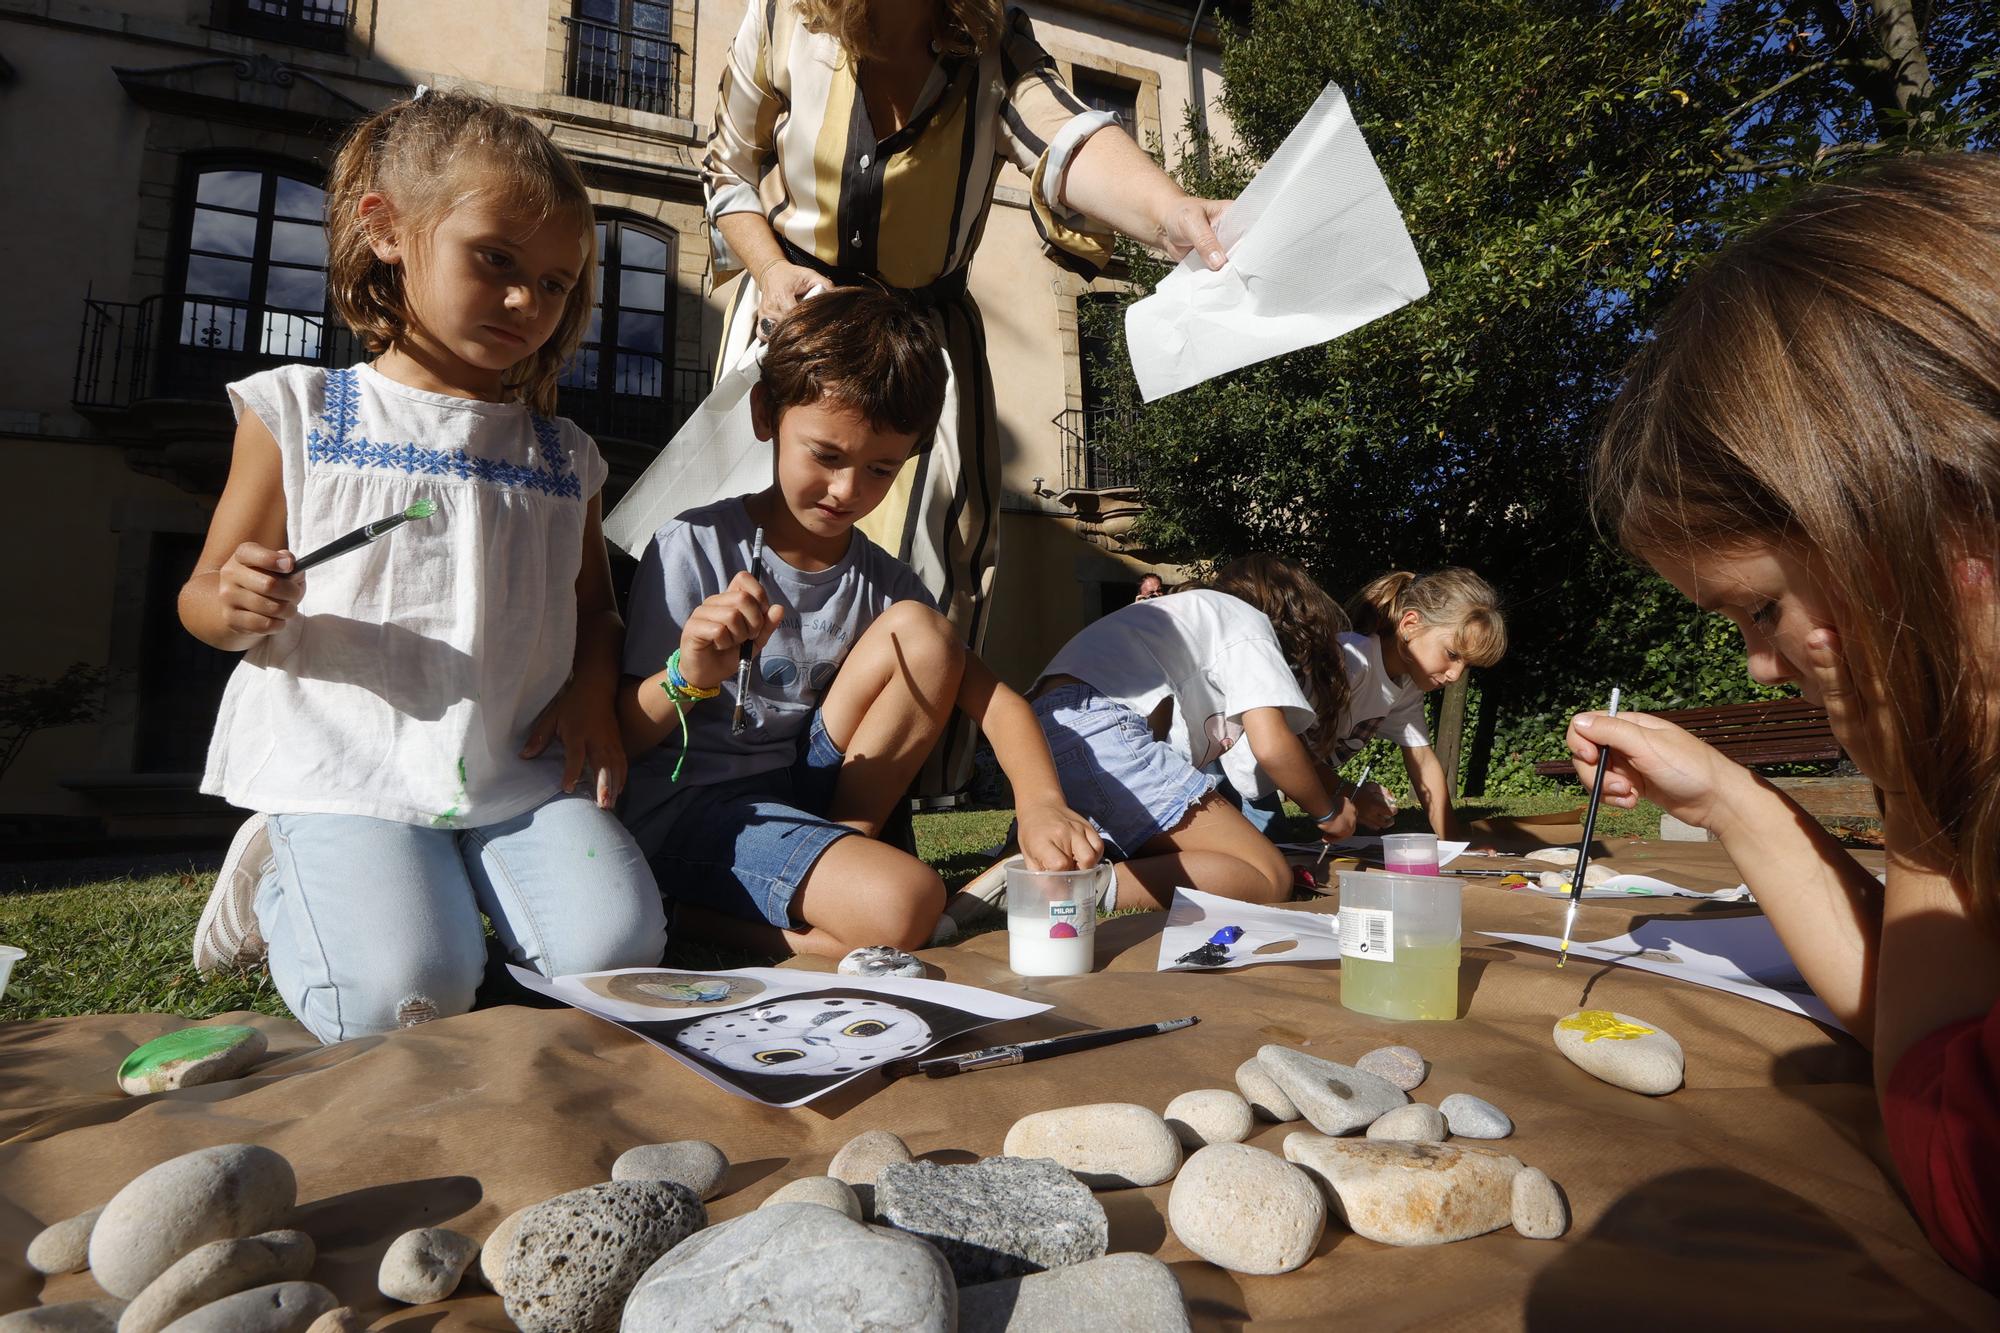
1052	918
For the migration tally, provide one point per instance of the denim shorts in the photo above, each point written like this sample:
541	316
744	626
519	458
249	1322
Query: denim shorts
745	847
1113	772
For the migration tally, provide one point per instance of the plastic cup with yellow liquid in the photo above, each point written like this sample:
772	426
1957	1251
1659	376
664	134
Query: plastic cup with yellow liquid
1399	938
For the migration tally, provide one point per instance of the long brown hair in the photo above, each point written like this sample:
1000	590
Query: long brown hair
965	27
427	155
1455	599
1308	623
1831	386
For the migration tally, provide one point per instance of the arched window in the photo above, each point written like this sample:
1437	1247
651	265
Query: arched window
253	289
618	384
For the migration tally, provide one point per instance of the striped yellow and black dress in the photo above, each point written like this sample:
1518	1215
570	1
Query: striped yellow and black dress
793	141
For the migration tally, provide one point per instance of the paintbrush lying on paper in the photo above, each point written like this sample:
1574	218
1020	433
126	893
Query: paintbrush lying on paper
944	1066
1589	830
738	719
1327	847
364	534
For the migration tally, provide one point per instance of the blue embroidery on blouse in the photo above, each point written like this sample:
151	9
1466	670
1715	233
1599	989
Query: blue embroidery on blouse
333	441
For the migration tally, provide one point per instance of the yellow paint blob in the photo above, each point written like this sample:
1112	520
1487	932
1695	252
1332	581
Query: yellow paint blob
1596	1023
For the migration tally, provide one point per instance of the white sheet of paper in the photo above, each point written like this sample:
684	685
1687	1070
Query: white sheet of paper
1741	955
715	454
1316	248
1194	916
973	1008
1372	846
1642	886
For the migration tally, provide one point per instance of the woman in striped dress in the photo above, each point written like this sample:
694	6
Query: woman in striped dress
860	141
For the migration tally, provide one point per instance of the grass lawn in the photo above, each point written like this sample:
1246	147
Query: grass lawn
121	944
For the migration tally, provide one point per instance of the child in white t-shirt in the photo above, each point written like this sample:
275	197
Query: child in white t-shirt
1136	705
1412	634
392	717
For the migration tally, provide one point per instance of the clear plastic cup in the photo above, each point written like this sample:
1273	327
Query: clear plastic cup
1399	937
9	956
1052	918
1410	853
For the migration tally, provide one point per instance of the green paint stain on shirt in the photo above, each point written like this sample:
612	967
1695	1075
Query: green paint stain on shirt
461	770
178	1047
592	853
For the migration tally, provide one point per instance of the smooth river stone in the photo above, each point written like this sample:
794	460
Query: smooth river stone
1538	1207
1410	1193
574	1258
237	1189
1400	1065
691	1162
498	1247
191	1057
220	1268
797	1266
1209	1115
1415	1123
879	960
1266	1098
1470	1117
65	1246
1622	1050
862	1157
283	1307
425	1265
100	1316
1000	1218
822	1190
1336	1098
1246	1210
1120	1293
346	1319
1109	1145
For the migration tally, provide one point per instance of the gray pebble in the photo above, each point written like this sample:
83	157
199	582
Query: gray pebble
1120	1293
69	1317
220	1268
284	1307
237	1189
575	1257
425	1265
1000	1218
1266	1098
344	1320
1470	1117
862	1157
1400	1065
64	1247
1336	1098
691	1162
1209	1115
1540	1212
795	1266
1415	1123
822	1190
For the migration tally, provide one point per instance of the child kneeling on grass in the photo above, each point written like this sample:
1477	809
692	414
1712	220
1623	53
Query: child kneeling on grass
751	834
1811	446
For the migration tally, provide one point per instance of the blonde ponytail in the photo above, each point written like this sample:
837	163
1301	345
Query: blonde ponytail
1453	598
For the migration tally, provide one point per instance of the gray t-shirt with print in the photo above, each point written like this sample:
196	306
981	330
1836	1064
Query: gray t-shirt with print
690	560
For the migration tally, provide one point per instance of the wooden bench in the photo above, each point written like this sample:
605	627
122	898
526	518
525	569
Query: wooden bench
1772	731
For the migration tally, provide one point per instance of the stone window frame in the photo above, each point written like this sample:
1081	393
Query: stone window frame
555	75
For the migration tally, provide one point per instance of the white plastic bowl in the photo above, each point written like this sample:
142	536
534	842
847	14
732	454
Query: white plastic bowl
9	956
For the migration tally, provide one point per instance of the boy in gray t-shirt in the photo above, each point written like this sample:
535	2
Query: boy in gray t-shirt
855	676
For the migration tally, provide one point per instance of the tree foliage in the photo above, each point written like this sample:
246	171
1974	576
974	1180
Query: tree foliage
1560	164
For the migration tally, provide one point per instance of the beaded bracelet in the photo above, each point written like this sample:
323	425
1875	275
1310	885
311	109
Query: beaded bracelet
677	688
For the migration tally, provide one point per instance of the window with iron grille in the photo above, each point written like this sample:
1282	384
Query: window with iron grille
622	52
618	383
320	24
1105	92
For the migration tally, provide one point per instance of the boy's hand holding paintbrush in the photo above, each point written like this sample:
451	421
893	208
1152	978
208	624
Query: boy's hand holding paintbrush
713	638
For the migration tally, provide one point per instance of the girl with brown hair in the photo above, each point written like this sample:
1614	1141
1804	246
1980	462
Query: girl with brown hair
1136	705
1811	446
393	714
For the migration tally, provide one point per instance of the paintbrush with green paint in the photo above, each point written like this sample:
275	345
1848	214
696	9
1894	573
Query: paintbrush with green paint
364	534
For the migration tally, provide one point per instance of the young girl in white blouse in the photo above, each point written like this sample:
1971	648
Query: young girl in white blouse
393	716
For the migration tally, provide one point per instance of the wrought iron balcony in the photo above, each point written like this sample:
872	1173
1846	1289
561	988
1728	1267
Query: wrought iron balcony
1087	465
644	411
176	345
625	67
319	24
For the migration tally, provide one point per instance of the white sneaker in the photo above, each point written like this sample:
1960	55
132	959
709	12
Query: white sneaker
227	936
989	886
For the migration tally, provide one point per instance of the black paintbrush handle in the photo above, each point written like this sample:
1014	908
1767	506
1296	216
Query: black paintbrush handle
360	537
1590	822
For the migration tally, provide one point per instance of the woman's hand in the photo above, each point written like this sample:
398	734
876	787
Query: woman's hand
1188	224
587	726
1687	778
720	626
1055	837
781	286
1855	709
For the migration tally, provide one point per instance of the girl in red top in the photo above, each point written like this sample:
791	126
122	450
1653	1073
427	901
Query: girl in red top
1811	446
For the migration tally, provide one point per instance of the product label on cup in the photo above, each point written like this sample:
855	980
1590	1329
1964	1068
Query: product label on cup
1368	932
1063	917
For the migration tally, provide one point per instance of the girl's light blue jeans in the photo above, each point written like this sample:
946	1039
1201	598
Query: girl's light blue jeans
374	925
